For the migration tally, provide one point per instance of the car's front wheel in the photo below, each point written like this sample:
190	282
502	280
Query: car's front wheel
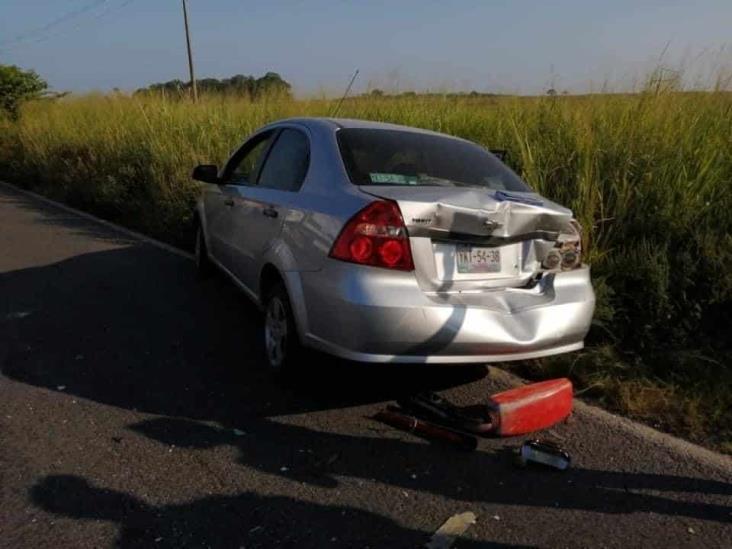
281	342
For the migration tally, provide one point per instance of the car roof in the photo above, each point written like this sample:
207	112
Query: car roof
334	124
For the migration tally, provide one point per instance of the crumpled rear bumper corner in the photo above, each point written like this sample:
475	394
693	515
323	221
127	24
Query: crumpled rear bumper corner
372	315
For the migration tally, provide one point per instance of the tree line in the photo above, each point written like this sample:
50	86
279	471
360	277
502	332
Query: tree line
271	84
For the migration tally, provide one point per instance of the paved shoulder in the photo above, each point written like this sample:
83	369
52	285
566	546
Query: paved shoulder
135	410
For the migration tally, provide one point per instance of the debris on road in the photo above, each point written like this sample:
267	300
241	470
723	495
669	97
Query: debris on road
432	407
395	418
543	452
517	411
453	527
61	388
514	412
532	407
17	315
239	432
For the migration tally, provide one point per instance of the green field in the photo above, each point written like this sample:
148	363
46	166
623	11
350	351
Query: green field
648	175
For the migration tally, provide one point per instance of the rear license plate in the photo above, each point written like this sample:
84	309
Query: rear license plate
473	259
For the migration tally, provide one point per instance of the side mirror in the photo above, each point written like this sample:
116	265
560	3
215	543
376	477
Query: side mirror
207	173
501	154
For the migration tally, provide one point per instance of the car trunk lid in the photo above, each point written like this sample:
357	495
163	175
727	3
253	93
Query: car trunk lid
470	239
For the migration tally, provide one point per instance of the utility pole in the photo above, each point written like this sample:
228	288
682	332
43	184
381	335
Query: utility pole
190	55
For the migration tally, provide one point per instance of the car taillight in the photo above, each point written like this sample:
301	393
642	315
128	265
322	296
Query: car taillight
375	236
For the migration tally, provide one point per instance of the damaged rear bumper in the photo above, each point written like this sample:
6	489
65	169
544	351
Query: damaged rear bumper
373	315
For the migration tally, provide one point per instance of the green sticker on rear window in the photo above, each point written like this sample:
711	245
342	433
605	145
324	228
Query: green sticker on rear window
393	178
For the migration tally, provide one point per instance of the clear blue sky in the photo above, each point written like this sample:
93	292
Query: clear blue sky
488	45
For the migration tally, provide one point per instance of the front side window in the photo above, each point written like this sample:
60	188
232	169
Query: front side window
404	158
244	167
287	163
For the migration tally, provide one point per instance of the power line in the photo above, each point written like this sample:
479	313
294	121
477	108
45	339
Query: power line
32	37
99	16
31	34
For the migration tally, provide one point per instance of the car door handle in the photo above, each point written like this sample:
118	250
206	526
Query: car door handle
229	202
270	212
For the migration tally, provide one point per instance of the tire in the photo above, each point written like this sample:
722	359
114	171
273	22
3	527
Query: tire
282	346
204	266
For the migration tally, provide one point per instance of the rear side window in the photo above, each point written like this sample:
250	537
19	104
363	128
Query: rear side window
287	163
404	158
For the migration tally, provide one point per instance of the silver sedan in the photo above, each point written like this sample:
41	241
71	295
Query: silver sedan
384	243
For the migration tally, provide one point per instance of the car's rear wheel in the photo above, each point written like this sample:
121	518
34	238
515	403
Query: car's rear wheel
281	342
204	267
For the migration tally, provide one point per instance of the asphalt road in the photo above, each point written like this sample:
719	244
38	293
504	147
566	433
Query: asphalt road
135	411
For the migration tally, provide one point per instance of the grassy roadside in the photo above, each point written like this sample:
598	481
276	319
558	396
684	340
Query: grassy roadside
648	175
690	398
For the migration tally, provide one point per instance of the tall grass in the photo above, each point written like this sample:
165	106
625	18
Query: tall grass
648	175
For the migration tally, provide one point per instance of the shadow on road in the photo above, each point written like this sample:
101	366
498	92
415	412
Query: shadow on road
131	327
319	458
244	520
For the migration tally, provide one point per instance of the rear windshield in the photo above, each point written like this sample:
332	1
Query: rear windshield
394	157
